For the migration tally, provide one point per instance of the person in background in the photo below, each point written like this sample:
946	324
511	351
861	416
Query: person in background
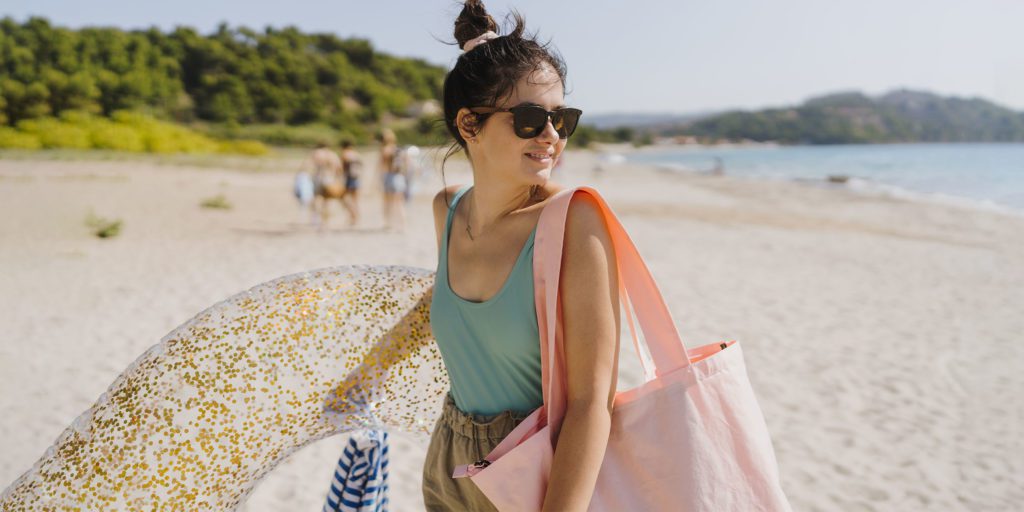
393	180
412	168
351	165
326	170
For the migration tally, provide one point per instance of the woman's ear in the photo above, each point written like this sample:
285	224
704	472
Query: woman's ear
466	121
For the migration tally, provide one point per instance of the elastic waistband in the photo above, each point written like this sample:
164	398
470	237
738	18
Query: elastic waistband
495	426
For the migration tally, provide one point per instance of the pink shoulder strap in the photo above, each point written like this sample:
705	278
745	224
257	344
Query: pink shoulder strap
637	291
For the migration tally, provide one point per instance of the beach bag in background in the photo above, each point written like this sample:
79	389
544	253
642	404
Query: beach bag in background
304	187
690	438
360	481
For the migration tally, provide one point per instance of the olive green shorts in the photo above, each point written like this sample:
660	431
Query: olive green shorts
461	438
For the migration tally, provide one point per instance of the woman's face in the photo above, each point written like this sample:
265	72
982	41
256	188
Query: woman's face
499	151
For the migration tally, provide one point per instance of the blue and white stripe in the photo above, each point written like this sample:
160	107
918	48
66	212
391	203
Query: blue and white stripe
360	482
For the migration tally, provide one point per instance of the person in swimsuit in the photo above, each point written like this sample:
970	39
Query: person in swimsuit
351	164
482	310
411	170
326	169
391	174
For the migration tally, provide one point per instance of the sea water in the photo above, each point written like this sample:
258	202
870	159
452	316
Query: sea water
989	175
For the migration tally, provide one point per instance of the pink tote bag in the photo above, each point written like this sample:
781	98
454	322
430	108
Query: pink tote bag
690	438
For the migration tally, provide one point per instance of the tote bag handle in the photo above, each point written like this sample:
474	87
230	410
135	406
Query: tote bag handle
660	336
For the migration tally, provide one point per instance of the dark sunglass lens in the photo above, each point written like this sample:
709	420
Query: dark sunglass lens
565	121
529	121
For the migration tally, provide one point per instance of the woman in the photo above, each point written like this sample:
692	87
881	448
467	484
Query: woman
351	166
393	181
482	310
327	185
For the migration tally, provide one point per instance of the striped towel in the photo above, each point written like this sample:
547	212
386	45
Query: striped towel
360	482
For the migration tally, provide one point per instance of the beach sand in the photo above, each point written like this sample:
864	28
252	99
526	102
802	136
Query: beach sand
884	337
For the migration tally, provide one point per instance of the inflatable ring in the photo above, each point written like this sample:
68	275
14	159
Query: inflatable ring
199	418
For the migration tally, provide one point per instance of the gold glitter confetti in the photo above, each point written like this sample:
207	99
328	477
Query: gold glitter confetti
199	418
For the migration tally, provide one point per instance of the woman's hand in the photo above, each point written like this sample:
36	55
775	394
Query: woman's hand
351	403
364	386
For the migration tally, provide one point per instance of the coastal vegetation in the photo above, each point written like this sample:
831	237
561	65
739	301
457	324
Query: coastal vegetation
235	90
99	87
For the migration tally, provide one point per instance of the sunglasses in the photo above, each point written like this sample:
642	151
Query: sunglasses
529	121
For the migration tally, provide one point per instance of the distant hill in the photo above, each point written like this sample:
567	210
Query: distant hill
852	117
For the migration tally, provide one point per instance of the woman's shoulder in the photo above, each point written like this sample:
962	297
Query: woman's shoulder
443	200
585	217
443	197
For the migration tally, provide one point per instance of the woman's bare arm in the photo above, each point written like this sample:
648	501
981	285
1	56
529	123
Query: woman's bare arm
590	313
411	331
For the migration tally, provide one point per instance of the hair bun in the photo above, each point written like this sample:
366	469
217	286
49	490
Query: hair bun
473	22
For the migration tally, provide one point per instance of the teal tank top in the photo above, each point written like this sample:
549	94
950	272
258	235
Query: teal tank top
491	349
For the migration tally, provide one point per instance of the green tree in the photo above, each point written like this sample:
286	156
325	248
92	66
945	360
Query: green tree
231	75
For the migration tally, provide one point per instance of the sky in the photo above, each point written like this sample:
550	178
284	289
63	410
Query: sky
661	56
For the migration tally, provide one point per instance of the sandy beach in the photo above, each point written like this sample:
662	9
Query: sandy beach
884	337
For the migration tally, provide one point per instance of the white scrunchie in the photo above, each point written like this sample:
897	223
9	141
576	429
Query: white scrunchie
481	39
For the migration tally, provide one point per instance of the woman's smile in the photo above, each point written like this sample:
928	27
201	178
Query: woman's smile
541	157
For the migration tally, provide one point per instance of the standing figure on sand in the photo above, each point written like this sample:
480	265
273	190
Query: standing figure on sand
393	181
326	175
412	168
533	420
324	167
504	106
351	164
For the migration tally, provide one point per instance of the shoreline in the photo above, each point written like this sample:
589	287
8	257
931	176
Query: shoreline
863	184
877	189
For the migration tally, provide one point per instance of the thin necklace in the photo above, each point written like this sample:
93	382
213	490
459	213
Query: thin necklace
469	211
